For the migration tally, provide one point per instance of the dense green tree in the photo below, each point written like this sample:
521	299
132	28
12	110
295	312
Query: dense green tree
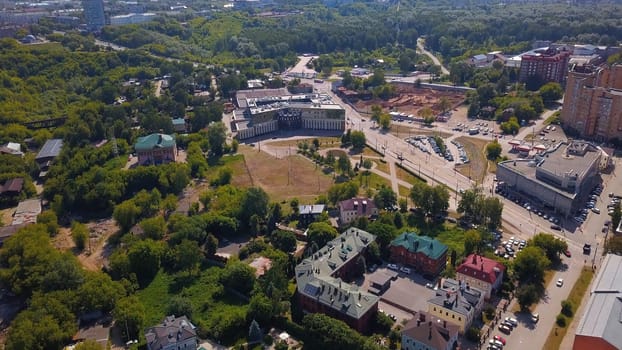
283	240
89	344
217	136
320	233
550	244
493	150
527	294
98	293
343	164
49	219
358	139
431	199
342	191
144	257
79	234
385	198
126	214
530	264
187	255
384	233
154	227
472	241
238	276
129	314
254	202
179	306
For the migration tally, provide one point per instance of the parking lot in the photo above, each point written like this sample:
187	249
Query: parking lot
408	292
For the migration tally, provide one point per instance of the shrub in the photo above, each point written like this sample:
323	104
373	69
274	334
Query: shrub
567	308
561	320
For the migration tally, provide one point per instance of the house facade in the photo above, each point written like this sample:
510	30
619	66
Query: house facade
353	208
426	255
174	333
156	149
456	302
482	273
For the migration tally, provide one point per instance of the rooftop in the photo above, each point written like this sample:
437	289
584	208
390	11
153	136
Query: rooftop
314	274
152	141
456	296
603	312
311	209
482	268
51	148
431	331
420	244
356	203
172	330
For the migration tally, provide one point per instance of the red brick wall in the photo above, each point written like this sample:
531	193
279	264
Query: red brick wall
420	262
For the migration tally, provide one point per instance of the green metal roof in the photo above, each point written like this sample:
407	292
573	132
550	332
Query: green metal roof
422	244
152	141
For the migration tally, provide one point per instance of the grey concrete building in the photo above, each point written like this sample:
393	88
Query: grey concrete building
560	178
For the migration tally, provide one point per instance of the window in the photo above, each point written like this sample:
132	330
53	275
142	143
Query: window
459	318
446	313
453	316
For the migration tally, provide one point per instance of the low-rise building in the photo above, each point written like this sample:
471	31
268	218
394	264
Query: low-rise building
321	281
600	327
353	208
179	125
156	149
457	302
425	254
559	178
482	273
310	213
173	333
425	331
132	18
50	150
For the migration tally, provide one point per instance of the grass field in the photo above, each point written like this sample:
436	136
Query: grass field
478	166
405	175
282	179
579	289
403	131
382	166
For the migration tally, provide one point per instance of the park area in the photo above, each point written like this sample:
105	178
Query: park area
411	99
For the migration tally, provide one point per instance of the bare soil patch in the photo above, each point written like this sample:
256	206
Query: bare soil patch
411	99
97	250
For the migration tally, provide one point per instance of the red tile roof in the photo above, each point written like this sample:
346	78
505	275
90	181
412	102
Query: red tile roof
481	268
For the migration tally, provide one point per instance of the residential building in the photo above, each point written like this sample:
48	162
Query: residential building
174	333
427	332
353	208
593	101
50	150
12	187
600	327
179	125
547	64
559	178
27	212
425	254
310	213
321	281
94	14
482	273
457	302
264	111
12	148
131	18
156	149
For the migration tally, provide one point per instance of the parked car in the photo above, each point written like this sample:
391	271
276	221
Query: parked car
393	267
560	282
556	227
495	342
373	268
504	329
405	270
587	249
512	320
535	318
499	339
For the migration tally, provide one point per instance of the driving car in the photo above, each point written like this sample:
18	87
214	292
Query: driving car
560	282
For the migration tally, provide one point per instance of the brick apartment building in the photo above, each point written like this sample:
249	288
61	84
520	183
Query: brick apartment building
426	255
482	273
547	64
593	101
321	281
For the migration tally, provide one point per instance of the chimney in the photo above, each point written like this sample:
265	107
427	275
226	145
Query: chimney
364	206
422	317
482	267
474	259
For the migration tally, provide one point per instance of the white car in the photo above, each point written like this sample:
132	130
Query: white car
560	282
512	320
393	267
405	270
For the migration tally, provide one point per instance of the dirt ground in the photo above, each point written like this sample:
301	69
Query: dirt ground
411	100
97	251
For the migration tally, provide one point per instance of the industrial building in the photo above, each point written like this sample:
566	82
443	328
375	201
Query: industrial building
560	178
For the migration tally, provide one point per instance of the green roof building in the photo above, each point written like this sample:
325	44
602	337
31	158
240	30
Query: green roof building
156	149
425	254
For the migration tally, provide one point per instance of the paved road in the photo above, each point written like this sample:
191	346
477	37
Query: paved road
420	46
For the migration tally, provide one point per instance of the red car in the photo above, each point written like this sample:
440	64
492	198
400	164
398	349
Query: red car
499	338
567	253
